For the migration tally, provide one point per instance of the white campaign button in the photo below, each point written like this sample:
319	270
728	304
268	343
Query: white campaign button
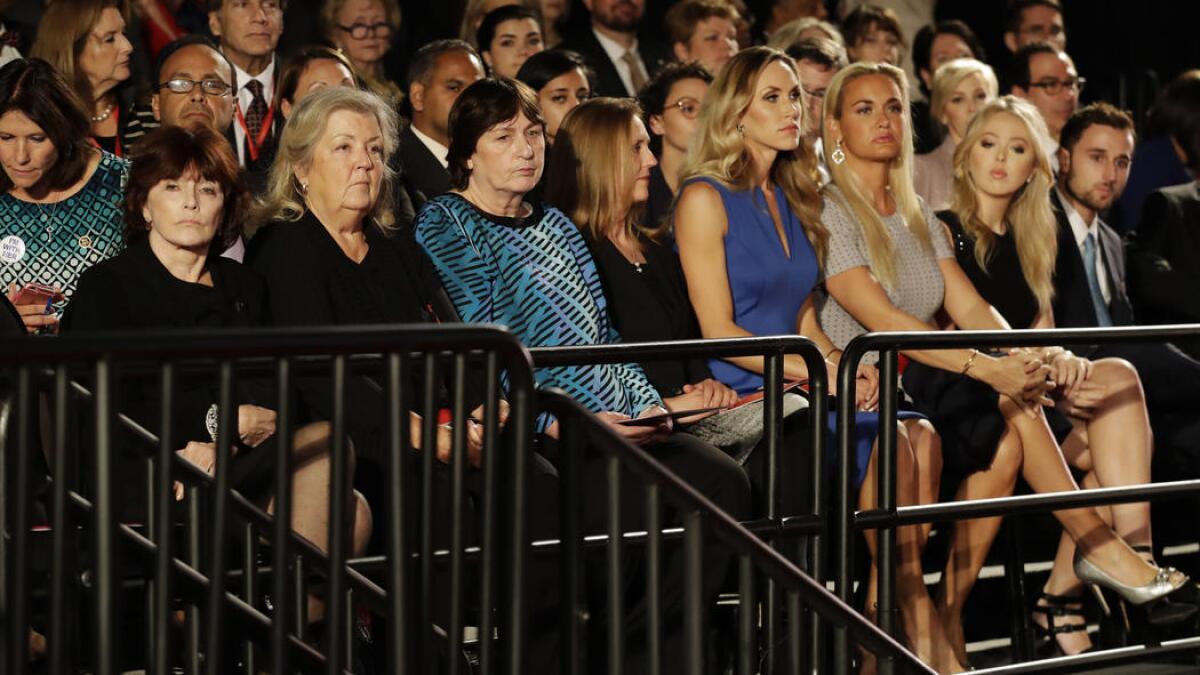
12	249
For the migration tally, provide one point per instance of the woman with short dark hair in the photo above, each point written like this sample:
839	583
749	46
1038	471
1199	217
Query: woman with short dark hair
562	80
59	195
186	201
509	261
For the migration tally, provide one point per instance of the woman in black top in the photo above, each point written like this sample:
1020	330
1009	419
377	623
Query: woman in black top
185	202
1003	234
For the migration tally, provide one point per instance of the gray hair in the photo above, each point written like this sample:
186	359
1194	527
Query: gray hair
307	123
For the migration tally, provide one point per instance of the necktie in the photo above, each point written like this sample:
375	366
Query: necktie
255	113
636	77
1103	318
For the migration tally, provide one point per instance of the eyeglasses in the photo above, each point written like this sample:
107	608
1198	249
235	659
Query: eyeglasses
359	31
1054	87
688	107
182	85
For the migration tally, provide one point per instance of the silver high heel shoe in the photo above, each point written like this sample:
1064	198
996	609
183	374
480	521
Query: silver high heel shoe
1167	581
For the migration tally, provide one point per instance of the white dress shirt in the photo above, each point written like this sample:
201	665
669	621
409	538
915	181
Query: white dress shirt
1081	230
245	97
616	54
439	151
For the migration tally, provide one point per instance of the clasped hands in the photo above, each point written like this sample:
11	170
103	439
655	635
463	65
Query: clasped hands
255	425
1048	377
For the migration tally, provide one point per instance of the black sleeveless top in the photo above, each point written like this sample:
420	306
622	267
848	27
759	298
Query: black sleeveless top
1003	283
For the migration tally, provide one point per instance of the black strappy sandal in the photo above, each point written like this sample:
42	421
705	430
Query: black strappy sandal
1052	606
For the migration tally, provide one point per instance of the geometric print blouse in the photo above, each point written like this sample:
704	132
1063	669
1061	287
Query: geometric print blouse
537	277
53	244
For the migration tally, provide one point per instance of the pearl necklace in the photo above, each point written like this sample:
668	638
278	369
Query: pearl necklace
104	115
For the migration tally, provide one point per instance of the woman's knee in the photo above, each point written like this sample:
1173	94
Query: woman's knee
364	522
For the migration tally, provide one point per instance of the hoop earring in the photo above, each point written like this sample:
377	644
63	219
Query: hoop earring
837	155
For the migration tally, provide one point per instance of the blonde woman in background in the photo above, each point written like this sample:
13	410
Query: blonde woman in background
1004	239
362	30
891	268
960	88
805	27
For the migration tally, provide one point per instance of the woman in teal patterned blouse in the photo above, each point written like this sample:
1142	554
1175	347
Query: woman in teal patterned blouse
60	196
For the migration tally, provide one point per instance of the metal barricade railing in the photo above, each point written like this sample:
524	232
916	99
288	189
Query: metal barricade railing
700	519
201	573
888	516
776	523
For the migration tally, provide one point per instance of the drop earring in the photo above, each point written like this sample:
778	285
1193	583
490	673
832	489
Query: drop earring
837	155
741	129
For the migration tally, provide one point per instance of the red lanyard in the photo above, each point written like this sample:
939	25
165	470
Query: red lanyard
117	138
254	145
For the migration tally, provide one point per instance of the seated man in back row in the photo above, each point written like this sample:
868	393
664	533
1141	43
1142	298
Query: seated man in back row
1089	277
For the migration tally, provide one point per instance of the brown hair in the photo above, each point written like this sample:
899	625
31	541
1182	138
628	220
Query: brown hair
63	33
34	88
168	153
591	166
299	63
859	23
682	18
480	107
1102	113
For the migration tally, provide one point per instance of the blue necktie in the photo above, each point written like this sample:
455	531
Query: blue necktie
1089	266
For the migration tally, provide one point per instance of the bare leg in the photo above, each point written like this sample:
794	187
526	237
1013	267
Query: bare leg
927	451
921	623
1046	471
972	539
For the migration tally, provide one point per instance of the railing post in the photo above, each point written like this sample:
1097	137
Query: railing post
570	457
280	653
886	535
17	617
226	432
163	521
458	462
339	533
64	596
818	409
487	557
773	429
398	564
693	601
844	517
520	421
106	526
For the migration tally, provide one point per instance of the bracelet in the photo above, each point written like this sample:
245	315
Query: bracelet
210	421
970	361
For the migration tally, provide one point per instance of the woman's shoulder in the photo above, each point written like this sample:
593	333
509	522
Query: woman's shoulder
835	213
113	171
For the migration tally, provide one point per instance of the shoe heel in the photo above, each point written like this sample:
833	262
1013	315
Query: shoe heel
1100	599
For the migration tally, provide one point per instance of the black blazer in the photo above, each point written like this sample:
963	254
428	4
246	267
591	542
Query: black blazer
1072	298
257	169
422	170
1165	260
608	81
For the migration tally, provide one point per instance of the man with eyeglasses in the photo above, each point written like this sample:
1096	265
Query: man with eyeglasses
1029	21
195	85
249	32
817	61
1046	77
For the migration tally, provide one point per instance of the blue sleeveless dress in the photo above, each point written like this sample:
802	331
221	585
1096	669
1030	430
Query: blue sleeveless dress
768	289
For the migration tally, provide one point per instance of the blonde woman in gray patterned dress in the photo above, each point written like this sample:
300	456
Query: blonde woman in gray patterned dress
890	268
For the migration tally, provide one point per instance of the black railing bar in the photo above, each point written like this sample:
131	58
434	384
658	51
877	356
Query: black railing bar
661	351
182	345
196	585
1108	657
728	530
956	339
1048	501
374	597
245	508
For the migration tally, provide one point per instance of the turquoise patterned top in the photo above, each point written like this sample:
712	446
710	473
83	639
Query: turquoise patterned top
53	244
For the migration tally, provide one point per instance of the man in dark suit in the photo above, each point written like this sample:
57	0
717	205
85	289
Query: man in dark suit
623	63
249	33
1089	279
439	72
1165	265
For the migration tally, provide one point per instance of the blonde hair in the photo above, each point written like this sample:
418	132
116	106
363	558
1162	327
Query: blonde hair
284	199
718	151
1029	216
951	74
790	33
900	175
331	8
62	34
591	167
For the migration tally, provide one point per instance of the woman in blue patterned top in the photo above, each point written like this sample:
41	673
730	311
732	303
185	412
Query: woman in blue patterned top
504	260
59	195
